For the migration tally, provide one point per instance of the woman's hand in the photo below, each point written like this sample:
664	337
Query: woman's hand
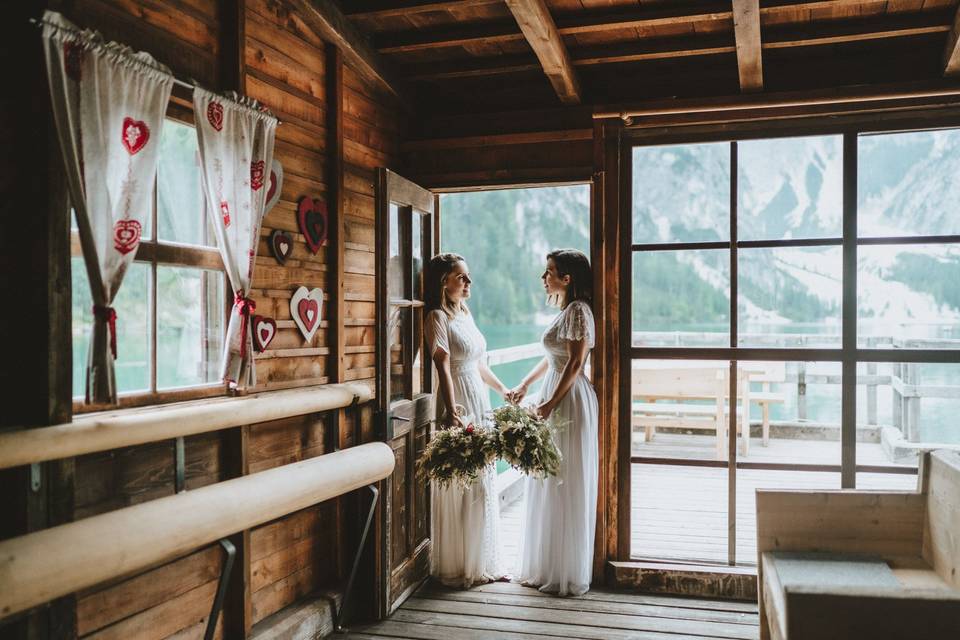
452	421
544	409
515	395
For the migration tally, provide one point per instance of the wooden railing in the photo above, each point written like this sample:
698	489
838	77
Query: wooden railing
907	388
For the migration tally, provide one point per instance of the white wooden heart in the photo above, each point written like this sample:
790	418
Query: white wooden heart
305	309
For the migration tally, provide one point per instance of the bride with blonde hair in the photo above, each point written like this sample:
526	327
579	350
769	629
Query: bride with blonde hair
465	520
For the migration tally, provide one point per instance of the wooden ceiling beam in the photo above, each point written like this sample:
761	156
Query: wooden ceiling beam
951	53
375	9
829	32
746	30
538	28
329	23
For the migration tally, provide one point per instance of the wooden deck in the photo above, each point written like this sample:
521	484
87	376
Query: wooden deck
508	611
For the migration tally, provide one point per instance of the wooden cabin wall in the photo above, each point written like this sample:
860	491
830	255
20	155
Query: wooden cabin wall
501	148
282	63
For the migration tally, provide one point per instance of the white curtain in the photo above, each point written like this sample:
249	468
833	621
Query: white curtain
236	150
109	104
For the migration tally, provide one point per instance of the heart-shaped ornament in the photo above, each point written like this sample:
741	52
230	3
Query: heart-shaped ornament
215	115
264	329
135	135
256	175
312	220
276	185
305	308
281	245
126	235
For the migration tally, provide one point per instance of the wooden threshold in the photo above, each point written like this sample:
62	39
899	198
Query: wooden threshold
704	581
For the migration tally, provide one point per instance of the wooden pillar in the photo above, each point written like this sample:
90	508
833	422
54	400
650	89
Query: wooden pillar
35	258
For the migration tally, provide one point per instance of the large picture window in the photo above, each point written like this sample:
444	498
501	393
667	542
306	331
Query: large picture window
795	324
172	307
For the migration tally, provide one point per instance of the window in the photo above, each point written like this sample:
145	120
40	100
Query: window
172	305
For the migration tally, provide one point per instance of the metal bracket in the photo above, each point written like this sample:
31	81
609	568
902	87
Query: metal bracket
36	477
340	614
230	553
180	466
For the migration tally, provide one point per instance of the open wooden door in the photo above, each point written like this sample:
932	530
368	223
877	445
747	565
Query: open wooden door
405	217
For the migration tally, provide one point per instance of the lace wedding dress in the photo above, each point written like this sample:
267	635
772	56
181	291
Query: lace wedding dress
464	522
559	519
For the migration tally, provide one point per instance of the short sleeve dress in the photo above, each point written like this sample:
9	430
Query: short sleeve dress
556	554
464	521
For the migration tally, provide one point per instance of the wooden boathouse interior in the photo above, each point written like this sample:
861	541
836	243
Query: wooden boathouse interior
141	519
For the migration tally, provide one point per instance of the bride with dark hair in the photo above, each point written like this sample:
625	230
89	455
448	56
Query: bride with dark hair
465	521
556	554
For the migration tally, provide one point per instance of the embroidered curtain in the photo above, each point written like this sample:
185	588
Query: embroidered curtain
236	151
109	104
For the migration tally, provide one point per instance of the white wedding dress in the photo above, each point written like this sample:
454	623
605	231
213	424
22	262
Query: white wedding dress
464	521
559	519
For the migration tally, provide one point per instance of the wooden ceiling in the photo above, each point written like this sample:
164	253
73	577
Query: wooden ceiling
476	55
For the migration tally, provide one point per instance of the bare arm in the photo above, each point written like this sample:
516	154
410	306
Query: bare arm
445	382
519	391
577	354
491	379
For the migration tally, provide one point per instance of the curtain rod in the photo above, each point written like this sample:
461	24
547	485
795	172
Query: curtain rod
40	23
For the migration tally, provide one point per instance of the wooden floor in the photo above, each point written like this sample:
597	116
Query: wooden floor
510	611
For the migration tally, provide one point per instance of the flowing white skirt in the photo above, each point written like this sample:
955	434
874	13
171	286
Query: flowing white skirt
465	522
559	520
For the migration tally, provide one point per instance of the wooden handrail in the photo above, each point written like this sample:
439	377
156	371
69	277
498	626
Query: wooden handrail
102	432
39	567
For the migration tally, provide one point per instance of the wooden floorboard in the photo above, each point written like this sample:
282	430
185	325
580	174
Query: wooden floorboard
513	612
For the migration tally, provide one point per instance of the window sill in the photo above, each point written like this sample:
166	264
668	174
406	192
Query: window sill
138	399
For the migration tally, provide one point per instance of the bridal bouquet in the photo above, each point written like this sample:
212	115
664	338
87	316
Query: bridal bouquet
526	441
458	454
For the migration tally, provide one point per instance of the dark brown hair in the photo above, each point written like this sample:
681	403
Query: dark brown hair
434	277
573	263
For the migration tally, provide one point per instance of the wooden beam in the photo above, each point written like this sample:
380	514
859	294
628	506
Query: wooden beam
541	33
328	22
375	9
951	53
746	28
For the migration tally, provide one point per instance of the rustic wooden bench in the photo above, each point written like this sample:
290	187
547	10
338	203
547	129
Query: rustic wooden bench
862	564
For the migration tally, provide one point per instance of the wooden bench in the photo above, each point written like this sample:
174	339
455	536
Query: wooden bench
862	564
686	385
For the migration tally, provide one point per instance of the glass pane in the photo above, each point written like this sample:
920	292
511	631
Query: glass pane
681	298
416	254
180	203
190	326
395	288
396	326
907	184
790	297
907	296
418	370
681	193
790	188
133	328
679	513
903	409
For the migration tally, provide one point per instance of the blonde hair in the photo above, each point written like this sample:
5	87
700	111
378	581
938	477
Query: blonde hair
434	291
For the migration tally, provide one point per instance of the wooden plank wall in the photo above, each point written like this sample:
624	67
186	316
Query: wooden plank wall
286	66
502	148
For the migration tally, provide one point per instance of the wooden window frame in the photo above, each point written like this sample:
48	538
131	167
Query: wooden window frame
849	354
155	253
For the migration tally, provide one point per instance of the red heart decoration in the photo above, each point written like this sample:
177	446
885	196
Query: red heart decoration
135	134
225	213
126	236
281	245
312	220
309	312
264	329
215	115
256	175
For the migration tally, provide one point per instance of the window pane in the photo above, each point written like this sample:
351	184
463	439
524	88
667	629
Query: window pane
681	298
416	254
907	184
133	328
395	289
790	297
907	296
790	188
190	317
681	193
182	217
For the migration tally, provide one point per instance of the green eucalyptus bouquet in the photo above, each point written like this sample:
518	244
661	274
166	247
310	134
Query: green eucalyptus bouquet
526	441
459	454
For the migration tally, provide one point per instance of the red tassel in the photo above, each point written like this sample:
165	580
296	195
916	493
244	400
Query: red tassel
245	307
108	315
